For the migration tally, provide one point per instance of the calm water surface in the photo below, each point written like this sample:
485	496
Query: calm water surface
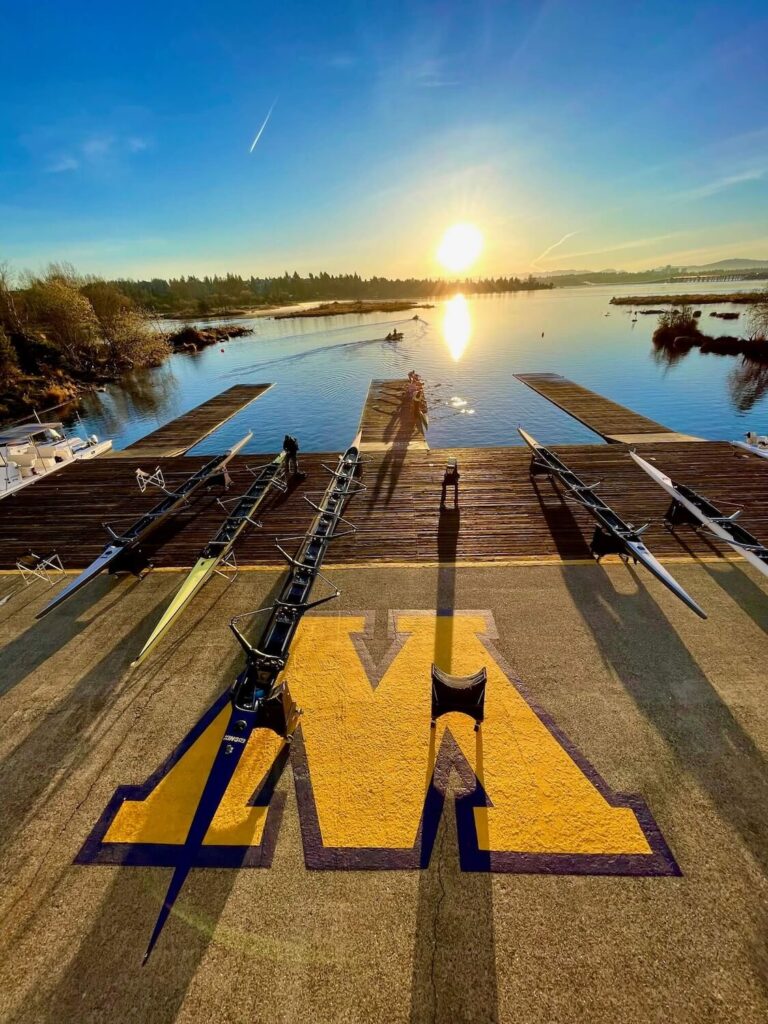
468	351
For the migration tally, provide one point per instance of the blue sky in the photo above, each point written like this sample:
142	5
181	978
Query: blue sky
574	134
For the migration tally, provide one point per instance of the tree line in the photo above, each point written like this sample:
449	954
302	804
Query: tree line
201	296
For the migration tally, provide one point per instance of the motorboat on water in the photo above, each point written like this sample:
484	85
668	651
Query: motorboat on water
30	451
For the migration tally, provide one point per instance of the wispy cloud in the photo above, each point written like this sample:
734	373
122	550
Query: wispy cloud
340	61
94	150
556	245
61	164
263	126
711	188
432	73
97	146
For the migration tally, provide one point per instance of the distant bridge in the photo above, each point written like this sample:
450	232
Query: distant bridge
728	276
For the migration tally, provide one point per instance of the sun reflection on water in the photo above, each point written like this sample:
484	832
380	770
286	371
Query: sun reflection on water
457	326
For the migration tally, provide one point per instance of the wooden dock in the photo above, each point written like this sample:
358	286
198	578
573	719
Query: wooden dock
503	515
614	422
186	431
388	421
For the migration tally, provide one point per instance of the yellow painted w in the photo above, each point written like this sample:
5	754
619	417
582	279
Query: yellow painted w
371	774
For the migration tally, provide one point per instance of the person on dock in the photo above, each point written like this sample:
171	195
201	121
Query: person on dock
291	449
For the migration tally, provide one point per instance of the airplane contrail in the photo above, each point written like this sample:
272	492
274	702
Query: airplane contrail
555	246
263	126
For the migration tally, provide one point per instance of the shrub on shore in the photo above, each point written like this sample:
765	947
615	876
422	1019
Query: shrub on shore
84	327
678	322
758	321
678	331
9	362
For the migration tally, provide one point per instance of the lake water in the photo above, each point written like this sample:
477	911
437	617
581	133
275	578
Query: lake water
468	351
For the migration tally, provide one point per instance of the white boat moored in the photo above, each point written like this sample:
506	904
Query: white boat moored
30	451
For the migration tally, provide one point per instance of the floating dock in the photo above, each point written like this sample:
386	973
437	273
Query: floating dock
503	515
388	419
613	422
183	433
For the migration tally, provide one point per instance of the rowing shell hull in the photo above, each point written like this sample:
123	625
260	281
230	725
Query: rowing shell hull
634	548
148	523
104	561
761	453
639	551
194	581
259	679
668	485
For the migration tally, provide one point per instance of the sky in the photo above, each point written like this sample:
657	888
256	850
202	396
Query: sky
573	134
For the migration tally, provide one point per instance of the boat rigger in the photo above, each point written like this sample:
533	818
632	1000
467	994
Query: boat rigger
612	535
260	698
116	554
689	506
218	550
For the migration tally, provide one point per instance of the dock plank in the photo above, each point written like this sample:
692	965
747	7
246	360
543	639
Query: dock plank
612	421
187	430
503	514
388	420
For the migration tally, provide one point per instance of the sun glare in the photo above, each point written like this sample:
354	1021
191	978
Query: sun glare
457	326
460	247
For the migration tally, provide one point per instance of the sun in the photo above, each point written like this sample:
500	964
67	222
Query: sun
460	247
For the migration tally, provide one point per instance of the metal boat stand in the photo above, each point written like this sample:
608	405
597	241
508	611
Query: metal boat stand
156	479
47	568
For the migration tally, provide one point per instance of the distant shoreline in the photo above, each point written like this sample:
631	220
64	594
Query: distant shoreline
354	306
690	299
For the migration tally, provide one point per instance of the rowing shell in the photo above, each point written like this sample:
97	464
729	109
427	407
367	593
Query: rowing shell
214	553
114	553
421	410
761	452
627	537
723	527
259	696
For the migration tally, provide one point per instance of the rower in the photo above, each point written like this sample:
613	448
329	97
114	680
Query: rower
291	449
